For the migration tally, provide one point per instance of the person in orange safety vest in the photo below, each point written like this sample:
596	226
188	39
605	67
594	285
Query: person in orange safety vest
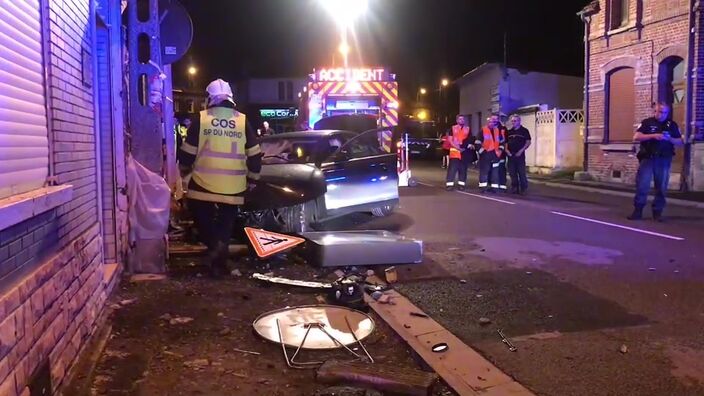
492	164
458	140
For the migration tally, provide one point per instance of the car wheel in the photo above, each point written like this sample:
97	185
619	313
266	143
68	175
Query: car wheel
383	211
297	219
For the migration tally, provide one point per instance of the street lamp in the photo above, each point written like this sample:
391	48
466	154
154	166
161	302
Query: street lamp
345	11
442	102
445	82
192	70
423	91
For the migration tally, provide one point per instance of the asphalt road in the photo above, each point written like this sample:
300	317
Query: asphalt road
596	304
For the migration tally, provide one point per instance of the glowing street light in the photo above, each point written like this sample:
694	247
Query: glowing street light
422	115
345	11
445	82
423	91
192	70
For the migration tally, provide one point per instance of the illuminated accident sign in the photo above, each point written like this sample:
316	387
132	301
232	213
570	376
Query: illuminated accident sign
358	74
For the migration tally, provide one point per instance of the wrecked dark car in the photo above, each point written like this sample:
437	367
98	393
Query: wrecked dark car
312	176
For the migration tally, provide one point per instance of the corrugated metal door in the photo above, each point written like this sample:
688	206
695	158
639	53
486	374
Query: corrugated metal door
24	146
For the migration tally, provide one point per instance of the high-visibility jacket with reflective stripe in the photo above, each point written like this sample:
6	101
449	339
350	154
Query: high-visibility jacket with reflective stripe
221	162
493	140
459	134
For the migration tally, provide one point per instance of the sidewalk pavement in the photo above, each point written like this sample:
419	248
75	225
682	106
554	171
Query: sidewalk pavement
693	199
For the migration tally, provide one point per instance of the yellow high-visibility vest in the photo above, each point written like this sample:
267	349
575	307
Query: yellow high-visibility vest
221	161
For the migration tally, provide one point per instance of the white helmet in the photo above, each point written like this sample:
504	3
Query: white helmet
219	88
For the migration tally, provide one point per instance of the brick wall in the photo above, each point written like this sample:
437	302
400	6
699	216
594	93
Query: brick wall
664	31
48	313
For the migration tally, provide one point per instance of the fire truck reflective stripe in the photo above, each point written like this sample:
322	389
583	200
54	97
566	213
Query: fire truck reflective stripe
494	185
483	184
449	183
461	183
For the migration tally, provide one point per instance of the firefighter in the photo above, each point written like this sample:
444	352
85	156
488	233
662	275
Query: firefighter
490	145
457	168
223	153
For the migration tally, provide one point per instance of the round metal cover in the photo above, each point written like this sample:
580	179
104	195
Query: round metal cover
176	31
319	319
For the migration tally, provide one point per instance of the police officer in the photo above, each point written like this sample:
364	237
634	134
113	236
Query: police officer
491	146
223	153
658	137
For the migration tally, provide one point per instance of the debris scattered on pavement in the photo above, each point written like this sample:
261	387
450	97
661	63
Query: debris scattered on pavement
136	278
290	282
370	272
115	306
339	273
506	341
484	321
174	354
225	331
197	364
624	349
221	315
128	302
480	295
246	352
180	320
236	273
407	326
320	299
166	316
391	275
377	295
383	378
418	314
529	273
480	378
463	281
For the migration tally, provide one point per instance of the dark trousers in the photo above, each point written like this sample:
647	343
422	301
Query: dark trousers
215	223
517	170
492	171
649	169
456	169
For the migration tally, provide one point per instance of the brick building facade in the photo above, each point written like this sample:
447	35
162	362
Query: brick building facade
639	52
60	248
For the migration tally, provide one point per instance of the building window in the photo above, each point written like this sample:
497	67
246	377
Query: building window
618	13
289	91
620	105
672	86
190	106
282	91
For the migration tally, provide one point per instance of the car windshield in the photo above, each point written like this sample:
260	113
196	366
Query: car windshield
287	150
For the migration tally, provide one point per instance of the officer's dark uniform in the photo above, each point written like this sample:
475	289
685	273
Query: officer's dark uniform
655	159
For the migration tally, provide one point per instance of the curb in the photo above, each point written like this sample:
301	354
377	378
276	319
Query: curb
670	201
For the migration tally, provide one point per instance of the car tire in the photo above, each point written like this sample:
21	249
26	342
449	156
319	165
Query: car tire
383	211
298	219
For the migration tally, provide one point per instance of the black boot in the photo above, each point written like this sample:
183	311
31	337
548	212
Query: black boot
657	216
637	213
218	261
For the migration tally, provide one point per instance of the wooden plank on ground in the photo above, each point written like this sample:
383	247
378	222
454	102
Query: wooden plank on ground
378	376
462	368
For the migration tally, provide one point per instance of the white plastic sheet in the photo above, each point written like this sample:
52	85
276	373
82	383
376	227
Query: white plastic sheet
149	202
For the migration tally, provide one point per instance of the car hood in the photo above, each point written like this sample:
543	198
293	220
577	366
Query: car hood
283	185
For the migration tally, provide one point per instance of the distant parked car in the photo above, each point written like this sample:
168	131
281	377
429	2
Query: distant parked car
308	177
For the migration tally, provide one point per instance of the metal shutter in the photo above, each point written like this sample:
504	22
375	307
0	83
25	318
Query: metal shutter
24	145
622	105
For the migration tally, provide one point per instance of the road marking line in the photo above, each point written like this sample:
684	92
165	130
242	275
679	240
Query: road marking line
619	226
485	197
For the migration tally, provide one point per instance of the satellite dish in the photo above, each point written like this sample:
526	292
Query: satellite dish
314	326
176	29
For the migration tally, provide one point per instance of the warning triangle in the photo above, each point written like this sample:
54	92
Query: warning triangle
267	243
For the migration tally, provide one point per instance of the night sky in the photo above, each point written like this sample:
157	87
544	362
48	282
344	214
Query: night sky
421	41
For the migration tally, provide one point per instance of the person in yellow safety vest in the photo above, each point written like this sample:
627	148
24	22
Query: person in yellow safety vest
458	140
223	153
490	144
